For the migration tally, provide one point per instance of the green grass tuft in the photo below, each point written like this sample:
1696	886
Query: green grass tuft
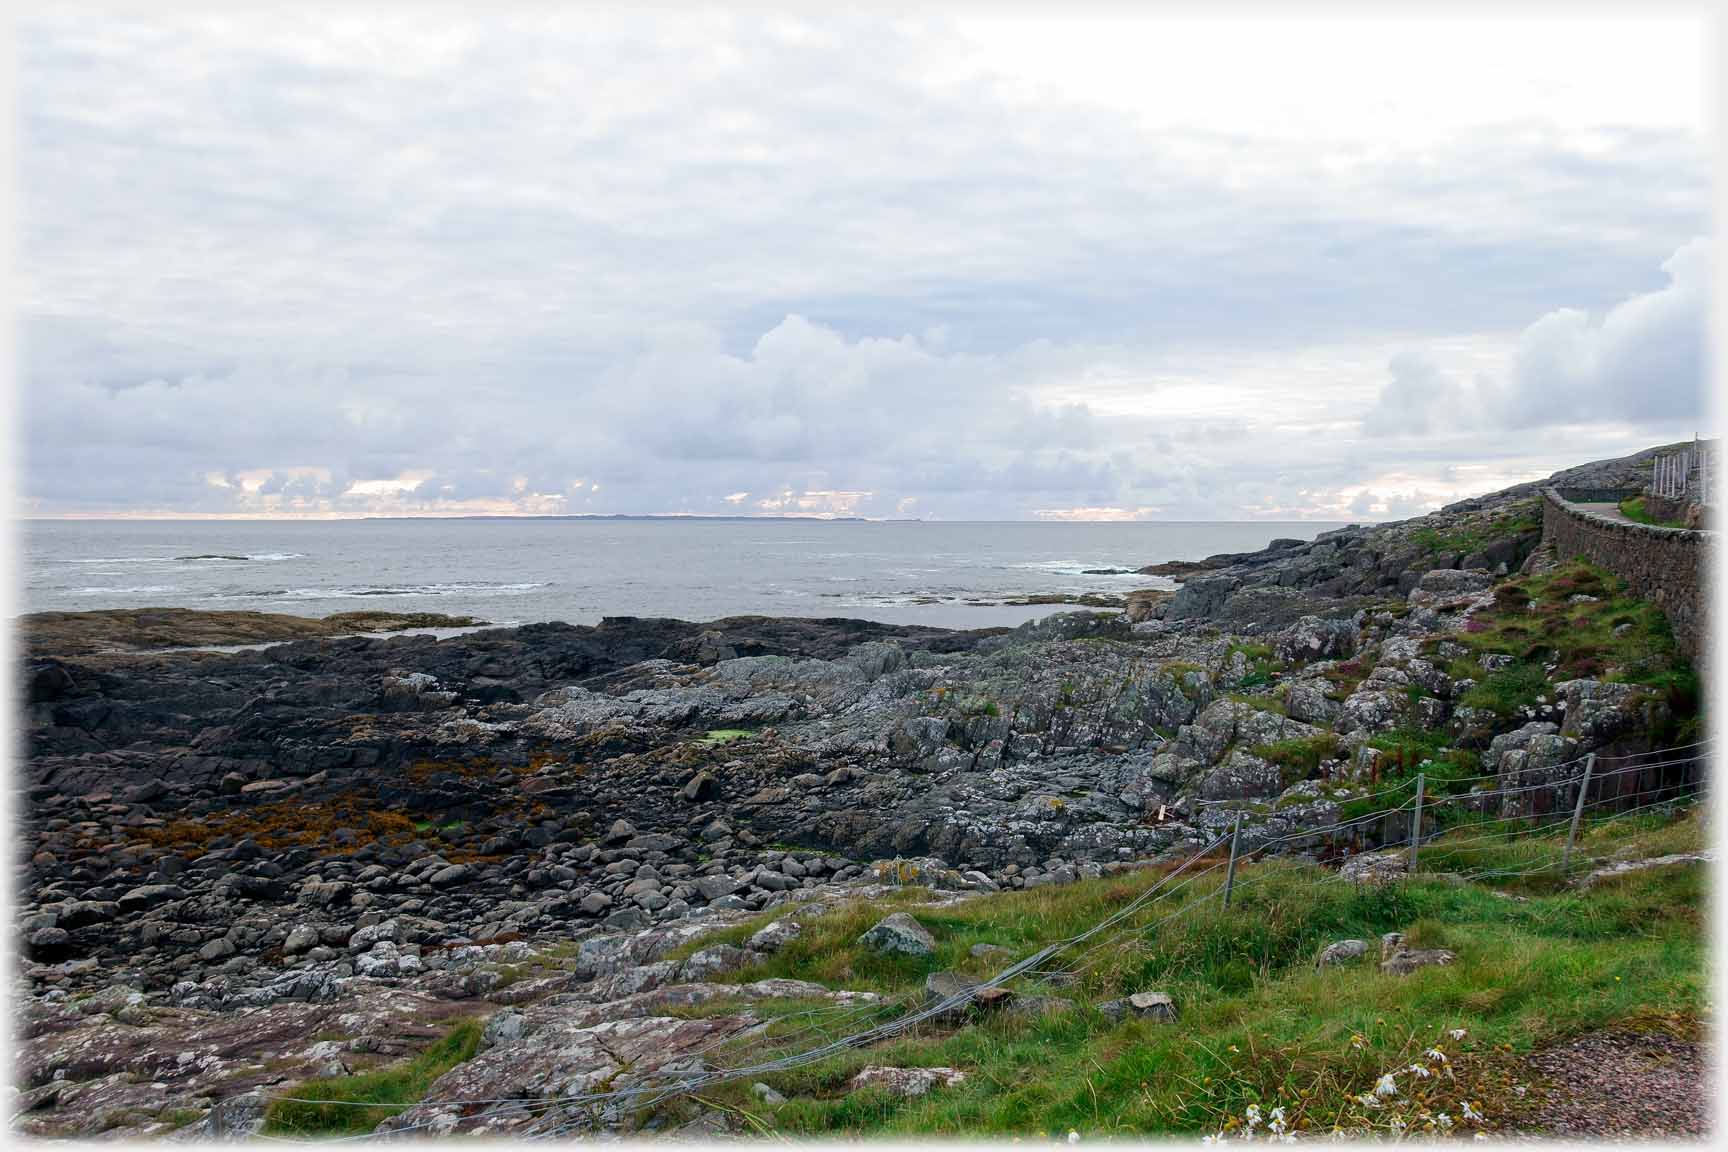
1634	509
358	1103
718	736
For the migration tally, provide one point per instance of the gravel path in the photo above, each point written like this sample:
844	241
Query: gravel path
1622	1085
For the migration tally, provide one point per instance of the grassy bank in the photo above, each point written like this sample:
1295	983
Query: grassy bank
1537	961
1259	1025
1634	509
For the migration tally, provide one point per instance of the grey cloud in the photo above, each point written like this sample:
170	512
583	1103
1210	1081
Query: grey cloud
1644	361
686	259
1416	398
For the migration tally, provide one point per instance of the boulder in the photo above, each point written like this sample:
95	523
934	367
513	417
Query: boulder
901	934
702	786
1156	1006
303	938
1342	952
1400	960
907	1081
1406	962
1314	638
775	936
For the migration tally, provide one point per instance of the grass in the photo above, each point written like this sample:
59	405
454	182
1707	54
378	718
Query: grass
1259	702
1299	759
718	736
1258	1024
1263	666
1519	519
1634	509
1606	634
349	1105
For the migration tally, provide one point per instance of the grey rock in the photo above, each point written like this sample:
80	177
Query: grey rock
1342	952
901	934
303	938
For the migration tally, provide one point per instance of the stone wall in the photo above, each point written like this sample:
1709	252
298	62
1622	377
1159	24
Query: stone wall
1664	565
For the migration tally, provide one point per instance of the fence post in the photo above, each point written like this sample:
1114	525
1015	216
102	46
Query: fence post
1577	813
1416	822
1230	873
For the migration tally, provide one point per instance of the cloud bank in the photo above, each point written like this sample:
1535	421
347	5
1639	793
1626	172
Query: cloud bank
294	263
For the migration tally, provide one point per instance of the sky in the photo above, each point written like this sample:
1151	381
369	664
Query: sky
978	265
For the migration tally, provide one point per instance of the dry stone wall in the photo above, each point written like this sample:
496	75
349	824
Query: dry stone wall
1667	566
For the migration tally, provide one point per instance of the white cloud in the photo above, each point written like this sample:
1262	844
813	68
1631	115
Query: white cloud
976	267
1416	398
1643	362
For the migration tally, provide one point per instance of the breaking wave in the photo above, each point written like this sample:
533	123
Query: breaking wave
388	591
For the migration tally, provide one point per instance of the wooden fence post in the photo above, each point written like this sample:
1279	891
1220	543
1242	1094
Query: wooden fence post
1230	873
1577	813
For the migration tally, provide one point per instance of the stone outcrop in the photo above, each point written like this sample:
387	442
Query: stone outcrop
1664	565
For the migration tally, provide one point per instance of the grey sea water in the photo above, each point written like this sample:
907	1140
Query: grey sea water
952	575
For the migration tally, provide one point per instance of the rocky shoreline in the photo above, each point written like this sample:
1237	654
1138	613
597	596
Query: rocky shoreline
240	854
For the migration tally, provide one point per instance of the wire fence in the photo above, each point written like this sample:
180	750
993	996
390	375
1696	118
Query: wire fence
756	1050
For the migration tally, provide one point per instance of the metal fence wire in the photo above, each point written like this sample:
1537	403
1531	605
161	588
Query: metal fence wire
1135	923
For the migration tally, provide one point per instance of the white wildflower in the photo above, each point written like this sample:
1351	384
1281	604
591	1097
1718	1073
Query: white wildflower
1337	1133
1443	1120
1386	1086
1420	1071
1218	1139
1470	1112
1436	1055
1252	1116
1073	1136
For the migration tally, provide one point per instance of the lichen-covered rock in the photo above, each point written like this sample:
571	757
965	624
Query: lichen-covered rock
1375	867
1149	1005
1341	952
1308	702
1404	962
1534	754
907	1081
1598	713
1374	707
1314	638
901	934
1241	777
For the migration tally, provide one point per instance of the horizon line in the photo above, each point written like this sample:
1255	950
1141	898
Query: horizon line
219	517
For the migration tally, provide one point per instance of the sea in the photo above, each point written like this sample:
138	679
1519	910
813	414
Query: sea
514	571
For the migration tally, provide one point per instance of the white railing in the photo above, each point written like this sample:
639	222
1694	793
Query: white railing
1683	475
